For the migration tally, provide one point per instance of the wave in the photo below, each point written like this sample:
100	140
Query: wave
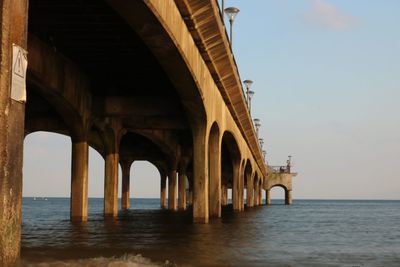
127	260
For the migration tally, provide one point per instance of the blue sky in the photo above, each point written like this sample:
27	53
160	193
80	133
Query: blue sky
327	80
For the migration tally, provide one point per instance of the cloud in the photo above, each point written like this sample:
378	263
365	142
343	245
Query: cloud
326	15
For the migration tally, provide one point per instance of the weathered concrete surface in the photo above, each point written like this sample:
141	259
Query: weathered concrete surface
224	193
172	190
112	137
61	83
13	20
163	193
79	180
125	199
182	190
215	172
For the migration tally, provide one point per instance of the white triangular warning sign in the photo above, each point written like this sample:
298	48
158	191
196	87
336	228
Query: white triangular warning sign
18	68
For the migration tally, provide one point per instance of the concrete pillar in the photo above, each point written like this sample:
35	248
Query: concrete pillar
241	189
288	197
256	194
268	197
163	191
111	176
190	197
224	194
215	175
236	188
250	192
125	196
200	176
13	21
79	180
182	189
190	193
172	190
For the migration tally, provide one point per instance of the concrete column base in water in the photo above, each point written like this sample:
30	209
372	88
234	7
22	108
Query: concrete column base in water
163	192
79	180
13	21
172	190
125	197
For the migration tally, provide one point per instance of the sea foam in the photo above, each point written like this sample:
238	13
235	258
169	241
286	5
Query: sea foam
127	260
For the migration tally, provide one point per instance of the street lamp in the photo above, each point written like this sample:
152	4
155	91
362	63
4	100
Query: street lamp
231	12
257	124
289	163
261	140
250	95
248	84
222	9
264	153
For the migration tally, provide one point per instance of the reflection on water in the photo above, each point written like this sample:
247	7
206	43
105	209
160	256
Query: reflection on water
316	233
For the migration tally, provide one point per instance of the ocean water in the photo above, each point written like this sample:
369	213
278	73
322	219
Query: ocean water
307	233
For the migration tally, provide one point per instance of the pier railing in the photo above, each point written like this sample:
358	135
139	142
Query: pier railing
280	169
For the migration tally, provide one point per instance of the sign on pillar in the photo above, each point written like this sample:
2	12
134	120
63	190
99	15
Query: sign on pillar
18	74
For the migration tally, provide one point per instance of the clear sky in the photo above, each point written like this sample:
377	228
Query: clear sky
327	80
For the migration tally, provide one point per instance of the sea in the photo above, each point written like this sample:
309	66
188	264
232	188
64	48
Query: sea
307	233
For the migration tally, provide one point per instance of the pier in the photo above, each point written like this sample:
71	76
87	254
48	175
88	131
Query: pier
152	80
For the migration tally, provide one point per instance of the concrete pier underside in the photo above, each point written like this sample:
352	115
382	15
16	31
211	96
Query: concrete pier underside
147	80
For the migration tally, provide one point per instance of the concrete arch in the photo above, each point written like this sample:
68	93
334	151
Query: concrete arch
168	50
61	157
162	167
234	154
279	185
287	190
68	96
167	142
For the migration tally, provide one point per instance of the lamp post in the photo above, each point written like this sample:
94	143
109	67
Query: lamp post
289	164
248	84
257	124
231	12
222	9
261	140
264	153
250	95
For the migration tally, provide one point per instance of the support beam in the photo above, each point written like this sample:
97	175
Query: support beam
163	191
241	188
190	193
224	194
172	190
215	174
190	197
256	194
288	197
250	192
236	187
13	21
268	197
79	180
200	176
125	198
182	189
111	174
